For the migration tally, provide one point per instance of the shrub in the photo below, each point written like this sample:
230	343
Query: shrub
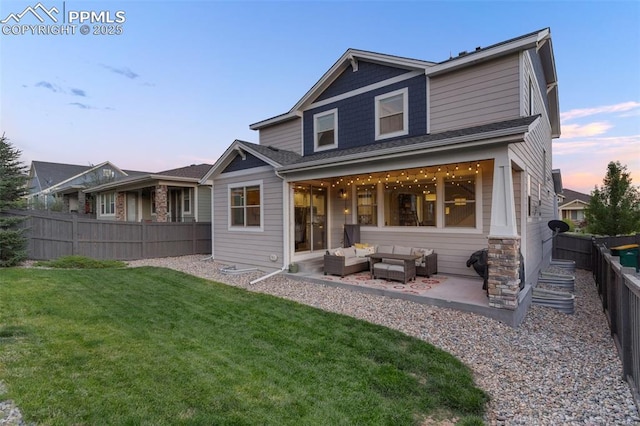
81	262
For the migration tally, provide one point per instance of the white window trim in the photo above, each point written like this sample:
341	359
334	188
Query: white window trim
317	148
187	191
244	185
405	113
102	203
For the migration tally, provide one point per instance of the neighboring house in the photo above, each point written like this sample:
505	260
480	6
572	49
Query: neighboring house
452	155
572	205
60	186
174	195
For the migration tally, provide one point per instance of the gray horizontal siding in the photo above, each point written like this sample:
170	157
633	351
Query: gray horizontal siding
204	204
287	136
484	93
453	249
248	248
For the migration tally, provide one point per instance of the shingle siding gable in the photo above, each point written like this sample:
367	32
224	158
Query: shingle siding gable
368	73
356	115
238	163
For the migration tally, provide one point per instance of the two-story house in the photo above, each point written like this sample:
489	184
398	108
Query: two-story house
452	155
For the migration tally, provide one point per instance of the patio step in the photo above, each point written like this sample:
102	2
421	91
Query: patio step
312	265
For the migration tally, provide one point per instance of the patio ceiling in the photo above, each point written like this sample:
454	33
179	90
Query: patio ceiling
418	176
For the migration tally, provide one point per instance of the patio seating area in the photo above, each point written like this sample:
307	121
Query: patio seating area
448	291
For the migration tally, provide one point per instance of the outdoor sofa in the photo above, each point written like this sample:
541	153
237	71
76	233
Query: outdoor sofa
346	261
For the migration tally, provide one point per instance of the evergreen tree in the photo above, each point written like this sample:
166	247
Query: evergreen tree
614	208
13	179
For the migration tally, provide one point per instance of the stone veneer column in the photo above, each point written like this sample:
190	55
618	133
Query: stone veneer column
504	272
161	203
120	213
82	201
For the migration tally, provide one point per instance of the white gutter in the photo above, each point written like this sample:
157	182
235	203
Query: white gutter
213	245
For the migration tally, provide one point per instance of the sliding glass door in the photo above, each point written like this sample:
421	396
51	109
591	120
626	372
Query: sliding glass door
310	218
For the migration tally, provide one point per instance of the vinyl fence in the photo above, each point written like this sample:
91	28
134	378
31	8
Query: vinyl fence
51	236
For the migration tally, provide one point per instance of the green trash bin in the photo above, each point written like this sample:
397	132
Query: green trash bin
628	255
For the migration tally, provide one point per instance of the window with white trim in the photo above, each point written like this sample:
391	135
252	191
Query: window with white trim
108	204
392	114
186	200
245	205
325	130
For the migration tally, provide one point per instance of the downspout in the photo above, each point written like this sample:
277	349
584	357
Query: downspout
213	246
285	231
212	256
194	208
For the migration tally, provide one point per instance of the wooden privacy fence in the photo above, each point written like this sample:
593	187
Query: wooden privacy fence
53	236
619	289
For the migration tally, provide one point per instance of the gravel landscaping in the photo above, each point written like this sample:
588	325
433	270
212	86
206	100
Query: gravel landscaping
554	369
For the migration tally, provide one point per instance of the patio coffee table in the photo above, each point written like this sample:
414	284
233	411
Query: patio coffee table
409	265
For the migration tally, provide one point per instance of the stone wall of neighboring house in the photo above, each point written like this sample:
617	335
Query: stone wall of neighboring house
161	203
120	208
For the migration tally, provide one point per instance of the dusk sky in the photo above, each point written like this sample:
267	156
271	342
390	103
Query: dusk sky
183	80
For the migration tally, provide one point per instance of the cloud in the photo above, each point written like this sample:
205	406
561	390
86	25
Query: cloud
624	147
122	71
45	84
57	89
81	106
78	92
580	131
607	109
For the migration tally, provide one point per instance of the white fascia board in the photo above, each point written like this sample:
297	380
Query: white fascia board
78	175
228	155
113	185
489	138
568	206
502	49
142	182
225	158
345	61
275	120
340	65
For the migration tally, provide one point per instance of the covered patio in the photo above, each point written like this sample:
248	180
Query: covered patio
457	292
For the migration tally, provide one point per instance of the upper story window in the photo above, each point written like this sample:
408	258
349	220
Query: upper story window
325	130
392	114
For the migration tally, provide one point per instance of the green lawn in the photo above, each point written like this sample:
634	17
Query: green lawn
154	346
